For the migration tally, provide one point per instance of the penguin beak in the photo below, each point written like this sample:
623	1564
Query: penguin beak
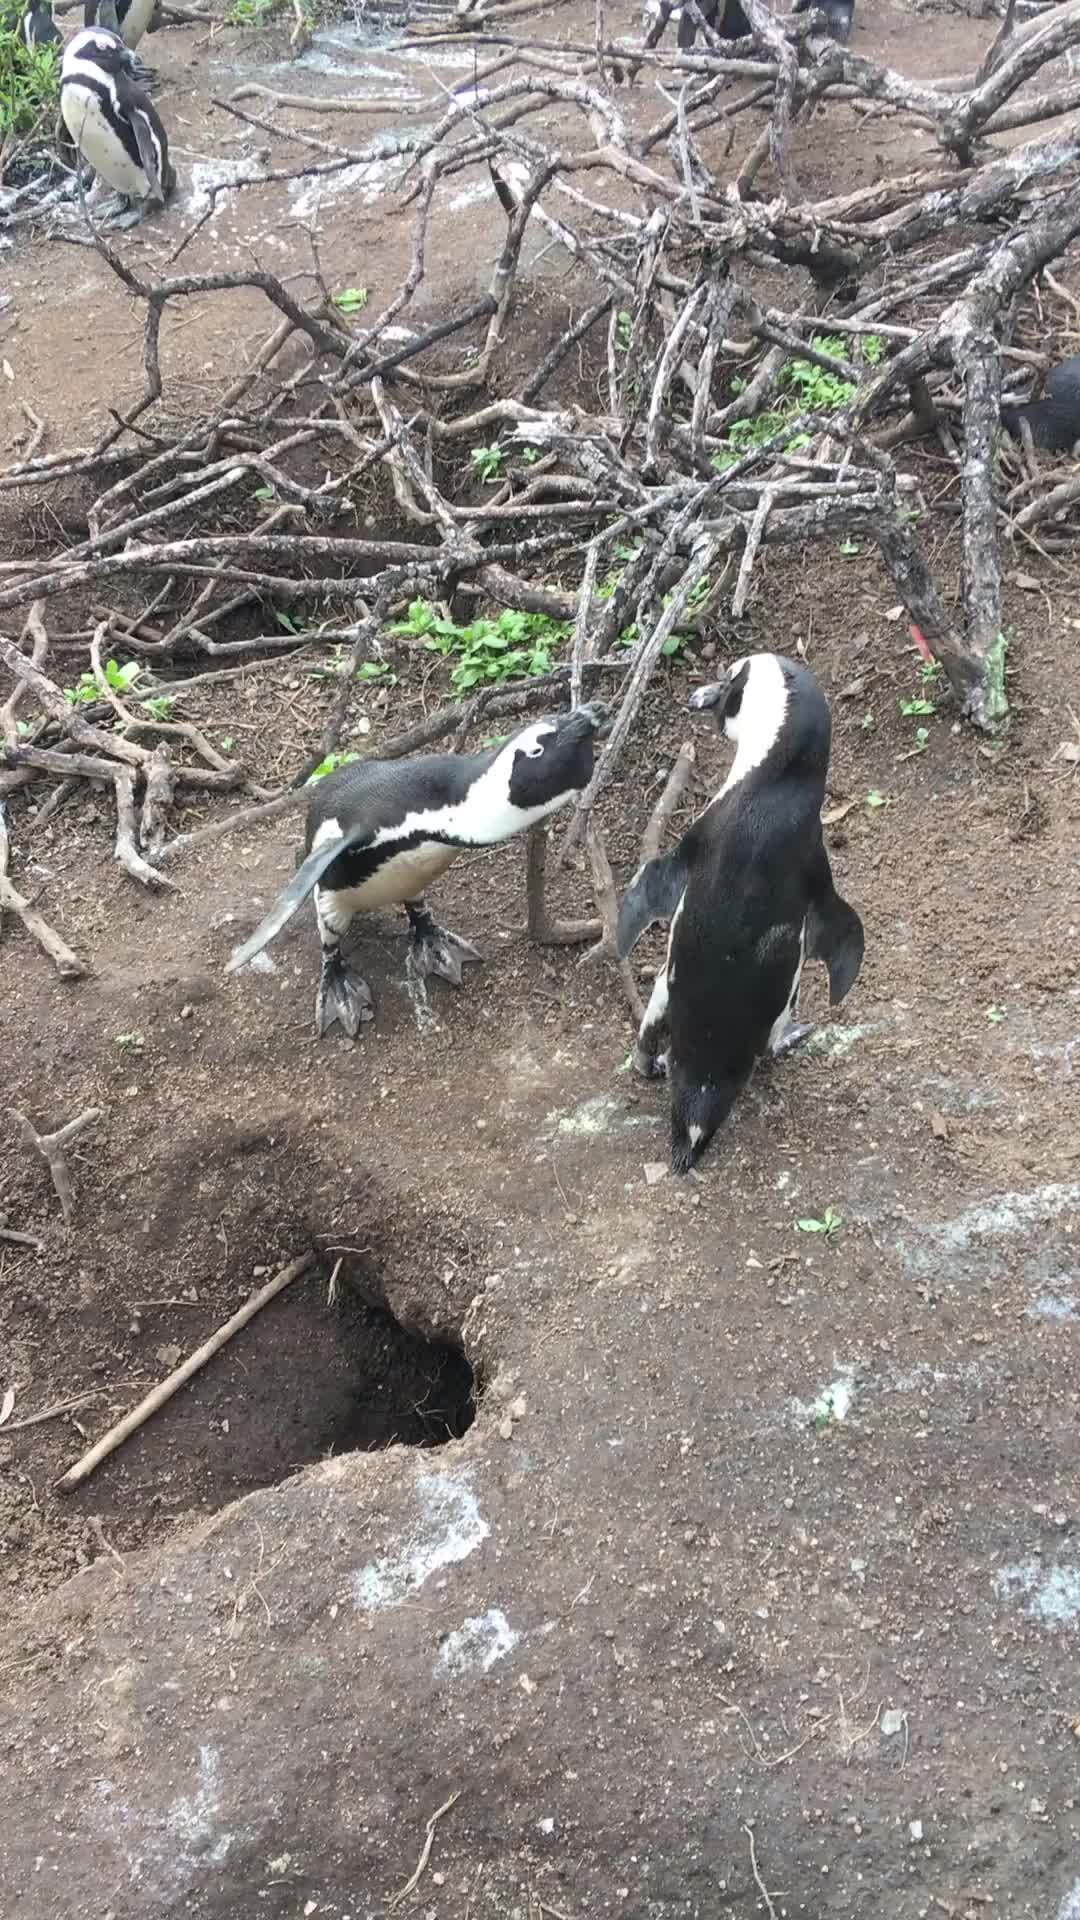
704	698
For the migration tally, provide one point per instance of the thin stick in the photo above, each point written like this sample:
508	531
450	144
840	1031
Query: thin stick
396	1899
65	962
673	792
540	924
166	1388
13	1239
51	1148
54	1412
762	1888
606	900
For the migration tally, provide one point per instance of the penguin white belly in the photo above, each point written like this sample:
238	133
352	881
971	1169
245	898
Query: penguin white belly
402	877
97	142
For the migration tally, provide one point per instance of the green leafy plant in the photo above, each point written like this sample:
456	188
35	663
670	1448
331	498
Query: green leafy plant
876	800
514	645
351	299
849	546
917	708
624	331
819	390
531	455
130	1042
286	620
929	672
159	707
250	13
995	1015
828	1224
120	679
377	670
487	462
922	739
264	493
867	721
29	78
872	349
330	765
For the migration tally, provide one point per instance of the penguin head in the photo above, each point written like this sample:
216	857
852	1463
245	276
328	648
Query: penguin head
549	761
765	699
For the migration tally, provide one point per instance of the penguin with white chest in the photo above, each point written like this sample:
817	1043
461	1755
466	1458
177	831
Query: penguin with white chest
380	831
114	124
749	893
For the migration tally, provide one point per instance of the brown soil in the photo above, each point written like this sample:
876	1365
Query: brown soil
767	1579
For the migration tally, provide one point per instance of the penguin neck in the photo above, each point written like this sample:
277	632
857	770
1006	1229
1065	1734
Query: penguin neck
486	814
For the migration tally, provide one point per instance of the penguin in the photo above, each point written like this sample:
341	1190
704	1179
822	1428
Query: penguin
113	123
37	27
1054	419
129	18
749	894
838	13
729	22
380	831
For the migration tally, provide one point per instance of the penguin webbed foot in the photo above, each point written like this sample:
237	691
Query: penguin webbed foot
434	950
343	996
792	1037
651	1066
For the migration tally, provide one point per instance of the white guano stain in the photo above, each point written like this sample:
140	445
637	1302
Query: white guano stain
1051	1594
998	1216
478	1643
1070	1905
450	1527
834	1402
601	1114
163	1854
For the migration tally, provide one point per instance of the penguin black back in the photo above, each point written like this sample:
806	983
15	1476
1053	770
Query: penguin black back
38	28
749	893
1054	419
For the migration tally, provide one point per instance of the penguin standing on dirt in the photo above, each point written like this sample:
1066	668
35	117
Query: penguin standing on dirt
380	831
729	22
749	894
113	123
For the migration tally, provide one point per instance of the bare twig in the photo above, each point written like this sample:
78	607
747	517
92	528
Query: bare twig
165	1389
51	1147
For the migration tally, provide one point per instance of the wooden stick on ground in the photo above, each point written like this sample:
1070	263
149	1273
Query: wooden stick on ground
65	962
541	927
51	1148
607	901
674	789
166	1388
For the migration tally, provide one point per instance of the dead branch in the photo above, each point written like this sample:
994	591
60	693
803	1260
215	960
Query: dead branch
674	788
164	1391
544	928
67	965
51	1147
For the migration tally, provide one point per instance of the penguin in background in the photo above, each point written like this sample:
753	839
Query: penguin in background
114	125
37	27
750	896
380	831
129	18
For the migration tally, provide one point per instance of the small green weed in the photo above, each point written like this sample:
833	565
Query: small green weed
264	493
531	455
930	671
120	679
872	349
351	299
867	722
996	1015
330	765
487	462
849	546
29	76
377	670
829	1223
516	644
624	332
159	707
875	800
918	708
228	743
818	390
922	739
250	13
130	1042
286	621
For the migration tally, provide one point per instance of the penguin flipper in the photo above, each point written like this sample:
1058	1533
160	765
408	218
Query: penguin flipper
834	934
302	883
653	894
135	105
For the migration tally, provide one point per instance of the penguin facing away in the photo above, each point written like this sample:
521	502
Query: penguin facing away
129	18
1053	419
749	894
37	27
114	125
380	831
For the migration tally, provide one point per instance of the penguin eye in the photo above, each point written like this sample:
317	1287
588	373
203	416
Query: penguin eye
534	752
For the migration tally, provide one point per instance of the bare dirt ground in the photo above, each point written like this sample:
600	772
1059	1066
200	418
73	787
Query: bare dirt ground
754	1531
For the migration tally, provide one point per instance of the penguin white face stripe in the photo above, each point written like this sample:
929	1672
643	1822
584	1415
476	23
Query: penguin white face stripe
759	722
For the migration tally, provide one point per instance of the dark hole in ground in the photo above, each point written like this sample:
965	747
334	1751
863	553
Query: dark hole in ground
303	1380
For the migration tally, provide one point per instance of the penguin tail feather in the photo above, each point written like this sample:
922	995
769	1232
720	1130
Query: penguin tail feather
289	899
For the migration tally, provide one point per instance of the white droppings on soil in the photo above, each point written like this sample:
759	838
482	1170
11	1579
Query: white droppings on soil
836	1042
834	1402
205	174
1070	1906
1050	1594
601	1114
450	1528
478	1643
364	182
998	1216
1053	1306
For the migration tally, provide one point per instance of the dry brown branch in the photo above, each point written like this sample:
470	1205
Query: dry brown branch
164	1391
51	1147
542	926
67	965
674	788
